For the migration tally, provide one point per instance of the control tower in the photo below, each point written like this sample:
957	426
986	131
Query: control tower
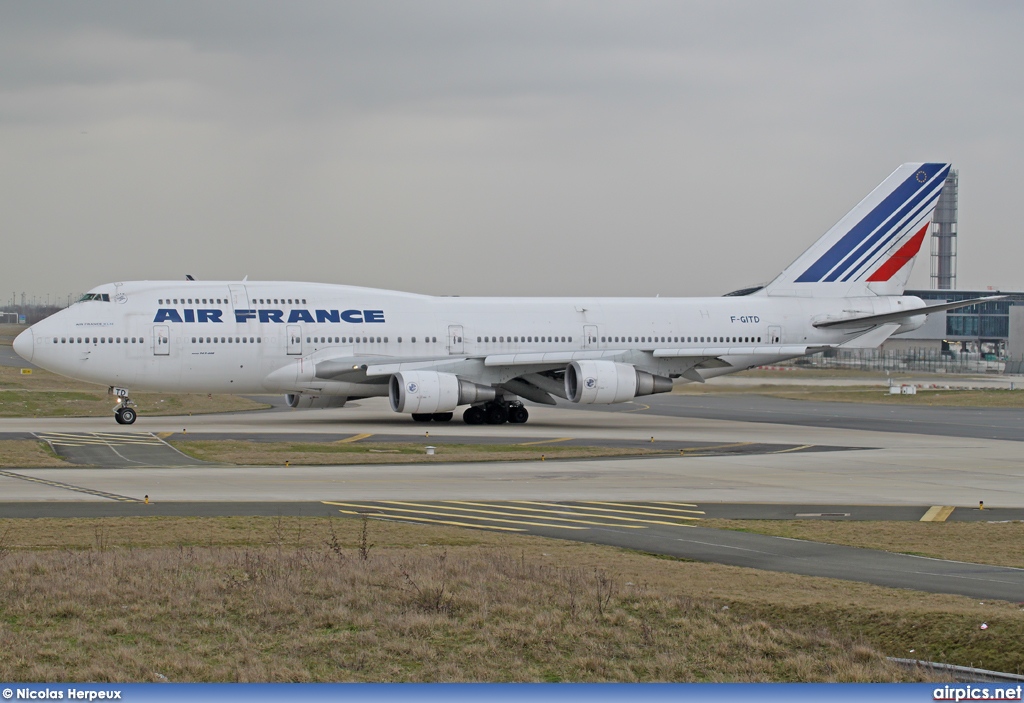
944	235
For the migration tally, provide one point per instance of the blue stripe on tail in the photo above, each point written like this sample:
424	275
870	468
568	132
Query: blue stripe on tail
894	202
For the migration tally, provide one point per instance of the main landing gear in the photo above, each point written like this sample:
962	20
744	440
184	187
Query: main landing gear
124	413
496	413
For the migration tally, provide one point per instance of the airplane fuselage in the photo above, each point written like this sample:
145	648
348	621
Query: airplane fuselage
221	337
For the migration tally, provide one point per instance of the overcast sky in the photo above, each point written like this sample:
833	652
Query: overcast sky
491	148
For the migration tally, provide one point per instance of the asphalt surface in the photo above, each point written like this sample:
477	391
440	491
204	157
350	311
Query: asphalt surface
142	449
9	358
897	467
977	423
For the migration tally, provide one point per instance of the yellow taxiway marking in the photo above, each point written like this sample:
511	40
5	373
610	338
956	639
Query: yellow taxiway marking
110	439
714	446
571	512
668	502
354	438
793	449
602	512
164	435
545	441
938	513
439	522
637	410
633	512
431	512
454	503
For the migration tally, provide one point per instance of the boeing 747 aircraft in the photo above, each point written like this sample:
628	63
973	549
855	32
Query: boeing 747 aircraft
322	345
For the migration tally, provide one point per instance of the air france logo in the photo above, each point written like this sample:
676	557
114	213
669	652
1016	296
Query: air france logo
412	387
590	383
355	317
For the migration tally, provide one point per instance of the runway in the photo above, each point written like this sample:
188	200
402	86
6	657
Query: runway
865	473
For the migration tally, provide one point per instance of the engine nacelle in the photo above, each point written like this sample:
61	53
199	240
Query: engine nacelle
433	392
311	400
606	382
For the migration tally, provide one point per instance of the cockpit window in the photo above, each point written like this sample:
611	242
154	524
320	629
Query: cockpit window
105	297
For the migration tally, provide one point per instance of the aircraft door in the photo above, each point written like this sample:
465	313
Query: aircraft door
590	336
239	296
774	335
161	340
294	339
455	341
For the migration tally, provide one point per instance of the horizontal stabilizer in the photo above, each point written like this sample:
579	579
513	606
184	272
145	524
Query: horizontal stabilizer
868	320
872	338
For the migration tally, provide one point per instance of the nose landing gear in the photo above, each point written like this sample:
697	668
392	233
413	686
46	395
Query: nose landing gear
124	413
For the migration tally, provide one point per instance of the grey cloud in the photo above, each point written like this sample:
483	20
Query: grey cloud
491	148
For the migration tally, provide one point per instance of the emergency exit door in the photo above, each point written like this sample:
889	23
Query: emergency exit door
294	339
161	340
455	343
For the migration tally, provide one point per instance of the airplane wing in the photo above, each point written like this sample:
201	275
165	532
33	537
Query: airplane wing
537	376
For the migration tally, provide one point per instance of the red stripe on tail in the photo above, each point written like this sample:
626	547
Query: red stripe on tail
901	258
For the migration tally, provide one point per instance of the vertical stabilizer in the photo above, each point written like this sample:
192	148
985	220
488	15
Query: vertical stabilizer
871	250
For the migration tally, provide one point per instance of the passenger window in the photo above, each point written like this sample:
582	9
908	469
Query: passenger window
413	340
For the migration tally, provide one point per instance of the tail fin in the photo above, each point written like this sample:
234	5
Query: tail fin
871	250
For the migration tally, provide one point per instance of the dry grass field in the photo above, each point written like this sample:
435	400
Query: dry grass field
45	394
28	453
249	453
1001	544
8	332
316	599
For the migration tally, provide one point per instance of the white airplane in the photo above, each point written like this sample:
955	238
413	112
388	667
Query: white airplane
322	344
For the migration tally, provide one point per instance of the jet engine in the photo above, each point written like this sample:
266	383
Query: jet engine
607	382
311	400
433	392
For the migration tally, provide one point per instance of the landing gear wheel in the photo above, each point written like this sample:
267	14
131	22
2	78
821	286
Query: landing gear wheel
474	415
442	417
422	417
517	415
125	416
495	414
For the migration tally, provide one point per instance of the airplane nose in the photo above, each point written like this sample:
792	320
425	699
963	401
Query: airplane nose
24	345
